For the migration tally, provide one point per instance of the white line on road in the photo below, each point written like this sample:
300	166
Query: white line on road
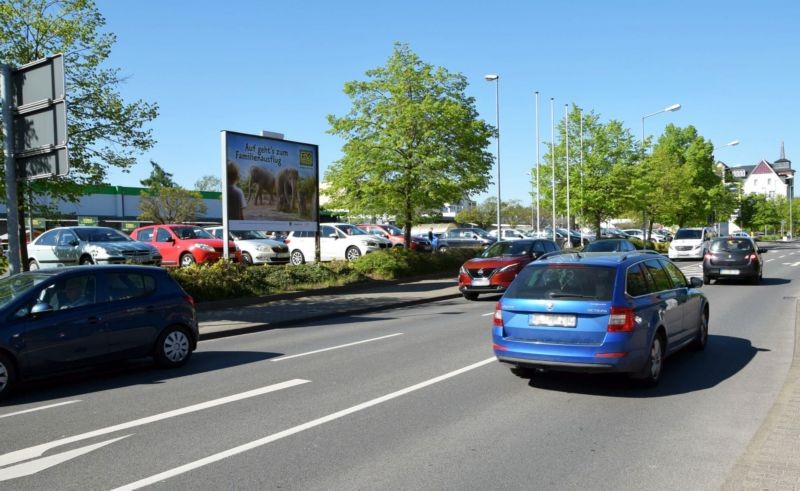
297	429
781	257
487	315
335	347
39	408
38	450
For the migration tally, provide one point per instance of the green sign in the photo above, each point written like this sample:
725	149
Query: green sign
129	226
92	221
37	223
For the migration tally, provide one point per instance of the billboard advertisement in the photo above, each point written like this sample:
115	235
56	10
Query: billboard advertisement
269	184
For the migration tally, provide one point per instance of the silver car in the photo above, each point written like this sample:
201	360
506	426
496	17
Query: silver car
65	246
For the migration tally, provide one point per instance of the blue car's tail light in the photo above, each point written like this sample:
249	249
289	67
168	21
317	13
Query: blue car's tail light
621	319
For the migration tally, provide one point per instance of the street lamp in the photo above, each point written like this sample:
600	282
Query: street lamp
668	109
722	170
496	79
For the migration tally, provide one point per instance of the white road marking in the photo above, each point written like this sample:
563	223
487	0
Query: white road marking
297	429
39	408
336	347
33	466
487	315
768	260
39	450
781	257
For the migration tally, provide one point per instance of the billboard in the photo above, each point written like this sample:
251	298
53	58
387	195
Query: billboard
268	183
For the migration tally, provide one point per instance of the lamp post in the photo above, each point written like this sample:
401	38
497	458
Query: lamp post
553	160
668	109
722	168
566	136
538	220
496	79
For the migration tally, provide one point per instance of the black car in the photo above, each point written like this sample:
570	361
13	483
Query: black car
733	258
465	237
610	245
65	318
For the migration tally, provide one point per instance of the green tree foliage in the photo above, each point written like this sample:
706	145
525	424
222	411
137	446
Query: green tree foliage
170	204
413	140
208	183
599	188
158	178
482	215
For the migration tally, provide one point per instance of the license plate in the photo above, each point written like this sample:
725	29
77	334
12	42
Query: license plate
552	320
728	271
480	281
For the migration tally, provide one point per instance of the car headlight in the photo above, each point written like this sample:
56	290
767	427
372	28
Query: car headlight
263	248
508	268
463	270
370	243
204	247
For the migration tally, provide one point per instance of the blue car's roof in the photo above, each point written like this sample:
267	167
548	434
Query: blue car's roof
608	259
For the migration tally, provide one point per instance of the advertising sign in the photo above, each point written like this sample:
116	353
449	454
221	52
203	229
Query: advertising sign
269	184
84	220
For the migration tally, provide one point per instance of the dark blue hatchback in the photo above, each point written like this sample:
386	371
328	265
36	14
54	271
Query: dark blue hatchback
65	318
602	312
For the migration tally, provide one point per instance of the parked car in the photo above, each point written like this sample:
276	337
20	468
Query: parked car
66	318
610	245
464	237
255	247
740	234
508	234
337	241
497	266
68	246
184	245
733	258
690	243
396	236
621	312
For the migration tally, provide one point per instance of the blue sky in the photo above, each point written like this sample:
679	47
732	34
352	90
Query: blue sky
249	66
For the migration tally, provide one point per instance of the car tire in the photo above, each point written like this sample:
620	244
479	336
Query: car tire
470	295
755	280
352	253
297	258
699	342
173	347
650	374
85	260
706	280
187	260
8	376
442	249
33	265
247	259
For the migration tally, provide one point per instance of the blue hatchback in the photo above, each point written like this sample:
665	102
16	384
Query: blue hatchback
600	312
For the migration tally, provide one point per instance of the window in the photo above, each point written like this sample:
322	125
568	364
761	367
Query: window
48	238
658	275
538	247
328	231
162	235
69	293
145	235
123	286
551	246
66	238
675	274
636	284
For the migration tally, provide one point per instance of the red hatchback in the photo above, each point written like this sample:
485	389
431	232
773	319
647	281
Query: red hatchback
183	245
497	266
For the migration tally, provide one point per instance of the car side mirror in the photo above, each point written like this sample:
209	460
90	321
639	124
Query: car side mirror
41	307
762	250
695	282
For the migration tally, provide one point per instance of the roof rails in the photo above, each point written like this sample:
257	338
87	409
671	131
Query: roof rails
643	252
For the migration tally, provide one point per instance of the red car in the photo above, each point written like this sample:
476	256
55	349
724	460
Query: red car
396	236
184	245
497	266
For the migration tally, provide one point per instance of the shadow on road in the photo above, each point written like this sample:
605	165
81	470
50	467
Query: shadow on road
124	374
686	371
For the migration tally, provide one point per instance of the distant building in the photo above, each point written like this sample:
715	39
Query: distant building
770	179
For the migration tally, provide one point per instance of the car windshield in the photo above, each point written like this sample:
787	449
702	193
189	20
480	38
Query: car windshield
248	235
393	230
732	245
101	234
563	281
14	286
515	248
689	234
191	233
480	232
351	230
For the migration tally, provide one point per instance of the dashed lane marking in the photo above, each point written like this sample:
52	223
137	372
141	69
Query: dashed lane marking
26	411
335	347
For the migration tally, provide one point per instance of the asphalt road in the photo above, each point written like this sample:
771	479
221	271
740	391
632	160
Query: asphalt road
417	403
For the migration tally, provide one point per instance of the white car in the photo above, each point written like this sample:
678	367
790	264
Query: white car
509	234
638	234
690	243
342	241
256	247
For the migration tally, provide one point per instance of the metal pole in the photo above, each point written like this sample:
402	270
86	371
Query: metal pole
553	160
581	113
11	172
538	219
497	112
566	135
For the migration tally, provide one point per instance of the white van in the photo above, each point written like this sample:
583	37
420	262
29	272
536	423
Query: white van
690	243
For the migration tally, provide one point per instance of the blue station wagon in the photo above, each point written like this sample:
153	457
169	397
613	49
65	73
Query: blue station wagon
622	312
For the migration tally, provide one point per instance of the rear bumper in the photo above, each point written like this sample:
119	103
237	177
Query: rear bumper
748	271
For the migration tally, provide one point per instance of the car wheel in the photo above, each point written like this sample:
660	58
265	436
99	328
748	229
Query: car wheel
699	343
33	265
706	280
85	260
470	295
650	373
443	249
352	253
8	376
173	347
755	280
247	259
297	258
187	260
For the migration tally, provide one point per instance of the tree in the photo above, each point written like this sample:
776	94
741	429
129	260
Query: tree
208	183
165	204
413	140
103	130
158	178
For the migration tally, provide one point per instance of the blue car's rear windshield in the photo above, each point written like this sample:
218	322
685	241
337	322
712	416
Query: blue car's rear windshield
563	281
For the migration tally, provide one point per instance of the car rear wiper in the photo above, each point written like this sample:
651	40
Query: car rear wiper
568	295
